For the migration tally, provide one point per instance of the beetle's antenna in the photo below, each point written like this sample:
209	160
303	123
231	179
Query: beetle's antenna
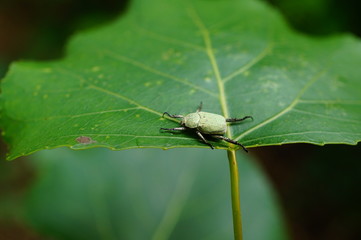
172	116
238	119
200	107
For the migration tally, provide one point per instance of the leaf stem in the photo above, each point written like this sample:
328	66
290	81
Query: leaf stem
236	205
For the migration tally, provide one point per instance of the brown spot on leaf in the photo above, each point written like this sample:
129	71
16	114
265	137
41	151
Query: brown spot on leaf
85	140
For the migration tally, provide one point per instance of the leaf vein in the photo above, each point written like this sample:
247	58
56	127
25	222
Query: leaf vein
123	135
287	109
251	63
82	114
300	133
350	102
326	116
157	72
166	39
124	98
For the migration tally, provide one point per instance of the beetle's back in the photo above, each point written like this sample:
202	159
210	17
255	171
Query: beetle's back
211	123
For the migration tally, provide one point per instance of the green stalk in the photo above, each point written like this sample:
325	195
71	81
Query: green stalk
236	205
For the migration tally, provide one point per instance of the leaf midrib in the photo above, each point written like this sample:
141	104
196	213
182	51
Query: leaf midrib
209	49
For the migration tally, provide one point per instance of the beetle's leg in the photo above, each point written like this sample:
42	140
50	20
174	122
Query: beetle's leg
203	139
229	140
174	129
171	115
238	119
200	107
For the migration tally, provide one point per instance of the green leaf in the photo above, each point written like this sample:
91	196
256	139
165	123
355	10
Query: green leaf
238	57
76	196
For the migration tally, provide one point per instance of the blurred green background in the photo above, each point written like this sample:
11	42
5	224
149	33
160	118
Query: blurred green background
304	191
142	194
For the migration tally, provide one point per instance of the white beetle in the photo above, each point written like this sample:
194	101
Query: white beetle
206	123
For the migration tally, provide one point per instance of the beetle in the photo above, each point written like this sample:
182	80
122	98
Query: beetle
206	123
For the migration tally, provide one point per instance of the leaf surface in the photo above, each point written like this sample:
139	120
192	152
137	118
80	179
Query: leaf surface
238	57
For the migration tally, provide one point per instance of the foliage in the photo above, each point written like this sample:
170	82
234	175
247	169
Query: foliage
297	89
238	57
125	196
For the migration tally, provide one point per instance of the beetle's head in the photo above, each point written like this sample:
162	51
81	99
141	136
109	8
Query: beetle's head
183	122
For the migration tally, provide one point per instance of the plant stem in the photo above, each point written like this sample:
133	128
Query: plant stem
236	205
